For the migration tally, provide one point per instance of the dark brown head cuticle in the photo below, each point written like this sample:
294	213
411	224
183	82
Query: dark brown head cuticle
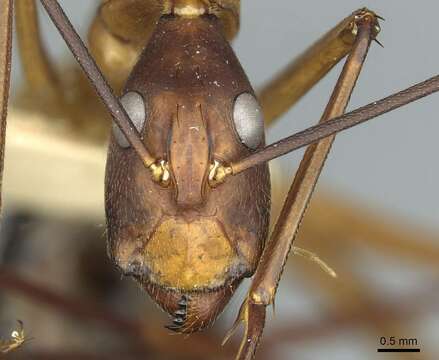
197	242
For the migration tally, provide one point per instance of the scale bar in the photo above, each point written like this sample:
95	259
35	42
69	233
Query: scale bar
388	350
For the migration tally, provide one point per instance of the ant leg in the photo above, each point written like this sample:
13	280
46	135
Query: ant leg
88	65
282	92
270	267
122	28
5	73
334	125
38	70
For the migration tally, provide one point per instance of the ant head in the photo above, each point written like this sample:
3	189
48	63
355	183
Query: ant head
184	235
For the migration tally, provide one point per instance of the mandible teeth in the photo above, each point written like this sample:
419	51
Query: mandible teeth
178	321
175	328
183	302
180	313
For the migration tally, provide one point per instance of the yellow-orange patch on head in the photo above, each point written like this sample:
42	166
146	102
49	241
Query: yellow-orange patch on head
189	256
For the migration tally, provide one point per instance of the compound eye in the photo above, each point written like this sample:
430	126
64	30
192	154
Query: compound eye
136	109
248	119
